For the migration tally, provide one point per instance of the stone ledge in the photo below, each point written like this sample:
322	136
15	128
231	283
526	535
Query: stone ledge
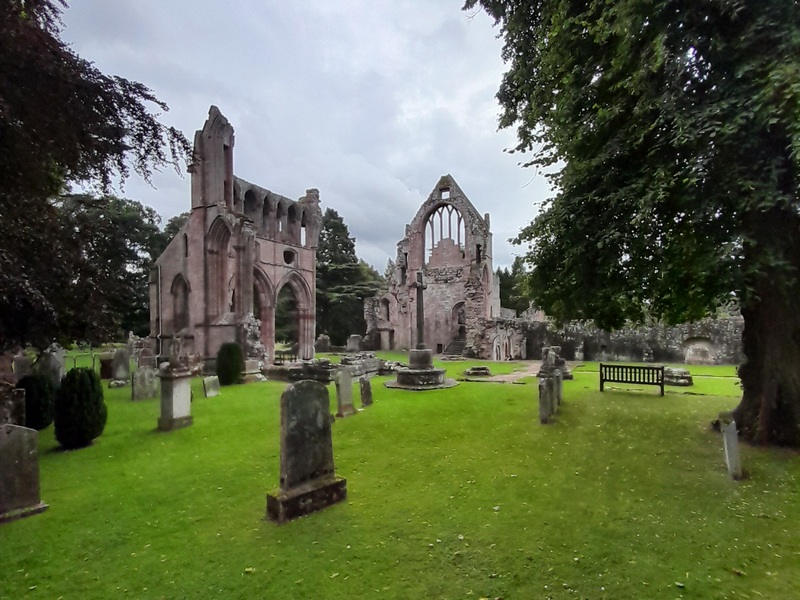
170	424
20	513
283	506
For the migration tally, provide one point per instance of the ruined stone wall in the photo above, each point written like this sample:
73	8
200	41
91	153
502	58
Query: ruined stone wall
710	341
225	268
451	244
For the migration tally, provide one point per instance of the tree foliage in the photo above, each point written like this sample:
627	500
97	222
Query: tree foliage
513	285
343	281
61	121
678	124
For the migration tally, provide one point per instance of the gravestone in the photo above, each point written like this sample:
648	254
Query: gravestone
176	396
146	358
120	368
211	386
730	442
308	482
106	365
22	366
353	343
365	386
144	383
19	473
679	377
323	343
545	400
344	394
50	364
12	405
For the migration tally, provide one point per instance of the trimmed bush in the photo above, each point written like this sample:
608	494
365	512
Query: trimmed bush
230	363
39	399
80	411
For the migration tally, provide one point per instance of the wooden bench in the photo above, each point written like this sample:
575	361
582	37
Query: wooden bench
632	374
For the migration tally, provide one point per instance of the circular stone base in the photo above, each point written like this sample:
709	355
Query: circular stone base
421	379
420	359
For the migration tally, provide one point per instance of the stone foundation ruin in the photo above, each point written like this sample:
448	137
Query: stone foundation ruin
219	279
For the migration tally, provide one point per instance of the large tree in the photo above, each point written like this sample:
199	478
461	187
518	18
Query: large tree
343	281
678	124
61	121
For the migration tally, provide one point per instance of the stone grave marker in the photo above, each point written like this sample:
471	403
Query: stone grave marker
176	396
353	343
12	405
120	368
22	366
308	482
730	441
106	365
211	386
50	364
545	401
19	473
344	394
146	358
365	386
144	383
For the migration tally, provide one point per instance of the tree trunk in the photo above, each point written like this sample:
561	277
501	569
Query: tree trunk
769	412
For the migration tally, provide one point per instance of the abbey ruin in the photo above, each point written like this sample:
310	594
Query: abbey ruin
219	279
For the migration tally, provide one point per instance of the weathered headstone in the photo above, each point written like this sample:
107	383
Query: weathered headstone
120	368
144	383
176	397
678	377
12	405
146	358
353	343
22	366
545	401
344	394
50	364
19	473
365	387
211	386
308	482
730	441
106	365
323	343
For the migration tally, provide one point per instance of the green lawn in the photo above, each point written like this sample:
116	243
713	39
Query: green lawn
456	493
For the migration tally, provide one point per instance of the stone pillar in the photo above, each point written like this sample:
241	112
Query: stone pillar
245	251
306	322
176	398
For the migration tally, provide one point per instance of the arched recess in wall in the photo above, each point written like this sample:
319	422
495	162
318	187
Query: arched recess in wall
263	296
300	289
217	242
445	236
294	216
252	208
280	220
179	290
384	311
486	286
458	320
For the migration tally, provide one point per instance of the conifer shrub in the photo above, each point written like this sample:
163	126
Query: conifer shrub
39	399
80	411
230	363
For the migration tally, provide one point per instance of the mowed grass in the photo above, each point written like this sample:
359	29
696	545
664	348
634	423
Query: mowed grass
457	493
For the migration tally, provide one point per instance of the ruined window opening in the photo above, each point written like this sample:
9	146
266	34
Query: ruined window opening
250	205
444	223
403	269
180	304
384	309
445	193
303	231
185	245
289	257
478	249
227	186
439	348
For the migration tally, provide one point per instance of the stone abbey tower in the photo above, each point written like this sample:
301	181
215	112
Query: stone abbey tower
218	280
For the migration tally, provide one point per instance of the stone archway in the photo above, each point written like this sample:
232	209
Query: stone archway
264	309
305	313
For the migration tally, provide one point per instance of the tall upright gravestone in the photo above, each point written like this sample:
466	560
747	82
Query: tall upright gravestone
308	482
344	394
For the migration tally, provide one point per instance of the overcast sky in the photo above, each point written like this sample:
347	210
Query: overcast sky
370	101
